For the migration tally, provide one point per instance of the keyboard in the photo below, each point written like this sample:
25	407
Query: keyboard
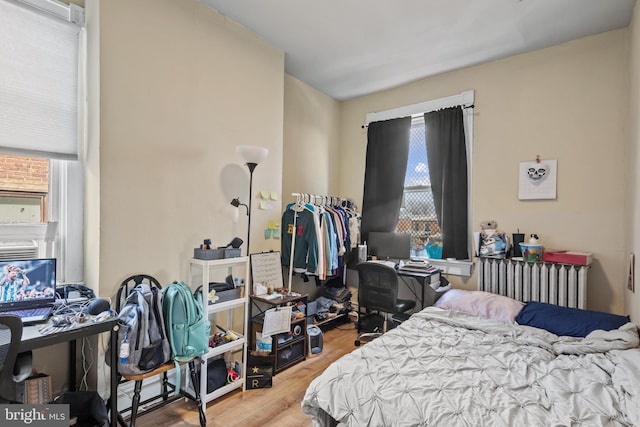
31	314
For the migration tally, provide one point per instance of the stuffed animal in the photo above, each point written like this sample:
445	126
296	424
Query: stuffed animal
493	242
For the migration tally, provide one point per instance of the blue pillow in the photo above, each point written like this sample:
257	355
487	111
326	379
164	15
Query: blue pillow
567	321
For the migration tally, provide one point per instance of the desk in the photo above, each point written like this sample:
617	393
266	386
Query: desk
424	279
32	339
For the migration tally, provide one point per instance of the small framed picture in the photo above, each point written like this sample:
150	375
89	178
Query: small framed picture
631	285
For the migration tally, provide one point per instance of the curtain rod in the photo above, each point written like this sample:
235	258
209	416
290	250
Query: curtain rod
464	99
464	107
304	196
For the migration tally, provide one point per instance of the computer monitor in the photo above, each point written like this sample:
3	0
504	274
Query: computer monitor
391	246
26	283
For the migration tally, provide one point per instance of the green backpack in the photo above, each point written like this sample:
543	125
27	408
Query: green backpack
186	323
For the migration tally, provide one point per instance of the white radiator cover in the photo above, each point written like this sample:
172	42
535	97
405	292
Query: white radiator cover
559	284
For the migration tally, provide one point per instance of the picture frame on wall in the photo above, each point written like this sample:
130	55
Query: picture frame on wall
538	180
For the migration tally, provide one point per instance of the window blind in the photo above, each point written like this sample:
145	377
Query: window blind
38	83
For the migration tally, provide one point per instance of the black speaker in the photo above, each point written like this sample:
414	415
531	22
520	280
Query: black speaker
517	239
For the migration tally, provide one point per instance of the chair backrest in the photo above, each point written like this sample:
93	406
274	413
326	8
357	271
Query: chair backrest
377	286
142	327
131	282
10	337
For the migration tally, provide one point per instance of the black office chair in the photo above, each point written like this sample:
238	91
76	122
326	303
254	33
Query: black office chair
14	367
166	388
378	292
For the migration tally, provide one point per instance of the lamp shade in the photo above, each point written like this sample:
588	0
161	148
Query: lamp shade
253	153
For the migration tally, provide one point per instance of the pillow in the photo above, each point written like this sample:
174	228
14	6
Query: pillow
480	303
567	321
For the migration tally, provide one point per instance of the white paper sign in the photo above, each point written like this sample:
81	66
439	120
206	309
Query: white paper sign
538	180
276	321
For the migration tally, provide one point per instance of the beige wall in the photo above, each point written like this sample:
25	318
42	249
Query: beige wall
632	300
311	150
180	87
569	103
311	156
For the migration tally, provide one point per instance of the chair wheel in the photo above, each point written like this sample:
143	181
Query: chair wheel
357	343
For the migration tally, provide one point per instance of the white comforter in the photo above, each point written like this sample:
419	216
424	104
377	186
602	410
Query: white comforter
442	368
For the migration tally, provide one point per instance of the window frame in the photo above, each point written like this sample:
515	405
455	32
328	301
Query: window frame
61	234
465	99
41	197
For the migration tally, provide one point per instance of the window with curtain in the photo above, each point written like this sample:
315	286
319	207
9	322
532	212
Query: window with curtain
42	119
433	189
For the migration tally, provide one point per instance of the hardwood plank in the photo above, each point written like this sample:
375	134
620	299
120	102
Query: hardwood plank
275	406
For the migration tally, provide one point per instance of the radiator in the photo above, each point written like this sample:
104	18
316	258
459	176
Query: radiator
559	284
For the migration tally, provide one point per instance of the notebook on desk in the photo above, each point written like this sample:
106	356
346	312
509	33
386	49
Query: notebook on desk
28	288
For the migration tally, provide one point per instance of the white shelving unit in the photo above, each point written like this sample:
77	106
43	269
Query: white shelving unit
201	269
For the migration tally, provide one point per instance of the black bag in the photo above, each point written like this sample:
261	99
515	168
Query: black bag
219	286
216	374
87	406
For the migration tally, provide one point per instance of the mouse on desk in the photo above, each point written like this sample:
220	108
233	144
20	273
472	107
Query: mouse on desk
98	306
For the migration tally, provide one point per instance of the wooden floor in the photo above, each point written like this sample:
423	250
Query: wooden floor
275	406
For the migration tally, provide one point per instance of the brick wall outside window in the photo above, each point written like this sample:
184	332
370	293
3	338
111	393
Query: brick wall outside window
28	174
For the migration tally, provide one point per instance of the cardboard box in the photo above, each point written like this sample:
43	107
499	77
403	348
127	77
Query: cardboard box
35	390
568	257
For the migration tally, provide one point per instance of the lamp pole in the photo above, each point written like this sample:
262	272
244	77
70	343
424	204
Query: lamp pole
252	167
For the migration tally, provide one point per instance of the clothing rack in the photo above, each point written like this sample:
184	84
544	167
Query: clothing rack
316	200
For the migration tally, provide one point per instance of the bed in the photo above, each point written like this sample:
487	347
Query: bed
470	364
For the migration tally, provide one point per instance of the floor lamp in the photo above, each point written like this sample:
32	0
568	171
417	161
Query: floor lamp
253	156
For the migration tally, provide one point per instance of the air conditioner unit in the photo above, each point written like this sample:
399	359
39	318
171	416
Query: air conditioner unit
19	250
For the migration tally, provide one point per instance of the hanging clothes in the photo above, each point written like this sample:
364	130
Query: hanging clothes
319	231
300	225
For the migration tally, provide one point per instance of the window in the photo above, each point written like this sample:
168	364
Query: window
40	87
417	214
24	186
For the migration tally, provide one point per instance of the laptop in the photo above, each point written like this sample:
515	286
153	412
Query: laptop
28	288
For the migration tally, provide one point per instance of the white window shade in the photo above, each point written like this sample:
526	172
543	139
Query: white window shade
38	83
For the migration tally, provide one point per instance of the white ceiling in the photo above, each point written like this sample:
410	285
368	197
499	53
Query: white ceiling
350	48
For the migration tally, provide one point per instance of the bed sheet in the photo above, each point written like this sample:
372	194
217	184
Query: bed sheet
446	368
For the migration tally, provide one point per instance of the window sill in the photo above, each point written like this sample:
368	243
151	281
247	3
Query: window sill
37	231
453	267
22	231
